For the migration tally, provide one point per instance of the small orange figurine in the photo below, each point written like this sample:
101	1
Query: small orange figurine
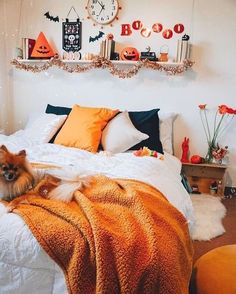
185	150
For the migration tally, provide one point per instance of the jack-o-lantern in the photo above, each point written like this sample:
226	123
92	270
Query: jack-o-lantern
129	54
42	49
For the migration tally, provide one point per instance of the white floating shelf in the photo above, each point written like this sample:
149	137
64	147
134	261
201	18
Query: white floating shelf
118	62
130	68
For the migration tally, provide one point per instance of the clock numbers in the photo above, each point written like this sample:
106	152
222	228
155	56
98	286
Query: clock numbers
103	11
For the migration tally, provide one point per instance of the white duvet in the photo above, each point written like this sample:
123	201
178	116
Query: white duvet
24	267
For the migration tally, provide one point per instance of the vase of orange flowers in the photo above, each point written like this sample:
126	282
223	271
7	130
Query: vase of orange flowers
223	117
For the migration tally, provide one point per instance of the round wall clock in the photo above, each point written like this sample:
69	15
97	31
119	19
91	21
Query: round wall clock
103	11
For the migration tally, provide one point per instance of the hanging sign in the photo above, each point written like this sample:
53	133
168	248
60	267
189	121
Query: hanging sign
71	34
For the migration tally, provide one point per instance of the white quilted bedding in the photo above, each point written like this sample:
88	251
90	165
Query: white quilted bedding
24	267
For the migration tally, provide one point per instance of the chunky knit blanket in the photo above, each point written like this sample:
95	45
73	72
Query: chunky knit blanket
116	236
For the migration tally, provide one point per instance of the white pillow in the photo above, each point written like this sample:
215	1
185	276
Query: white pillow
31	118
42	129
120	134
166	130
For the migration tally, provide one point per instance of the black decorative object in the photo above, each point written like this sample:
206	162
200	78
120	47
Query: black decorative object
115	56
185	37
148	55
50	17
96	38
71	34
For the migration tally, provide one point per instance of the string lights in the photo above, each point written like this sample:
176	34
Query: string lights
100	62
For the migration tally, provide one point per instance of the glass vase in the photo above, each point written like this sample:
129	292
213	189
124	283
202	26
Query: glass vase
209	156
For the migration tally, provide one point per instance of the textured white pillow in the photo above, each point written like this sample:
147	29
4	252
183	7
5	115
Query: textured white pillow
44	127
166	130
120	134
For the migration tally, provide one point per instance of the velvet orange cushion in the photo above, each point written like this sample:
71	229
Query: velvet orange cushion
83	127
215	271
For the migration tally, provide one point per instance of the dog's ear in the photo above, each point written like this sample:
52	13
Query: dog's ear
4	148
22	153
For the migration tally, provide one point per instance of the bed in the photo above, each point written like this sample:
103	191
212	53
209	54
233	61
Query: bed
25	266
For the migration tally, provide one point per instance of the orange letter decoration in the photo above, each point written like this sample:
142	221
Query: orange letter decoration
126	30
137	25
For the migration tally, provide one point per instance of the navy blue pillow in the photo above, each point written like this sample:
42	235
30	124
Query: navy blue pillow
58	110
147	122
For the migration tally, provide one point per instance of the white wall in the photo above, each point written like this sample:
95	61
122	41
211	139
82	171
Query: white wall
212	28
3	69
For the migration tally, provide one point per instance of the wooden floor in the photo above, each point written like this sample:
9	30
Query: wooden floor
229	237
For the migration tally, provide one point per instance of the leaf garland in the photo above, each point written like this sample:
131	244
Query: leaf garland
101	62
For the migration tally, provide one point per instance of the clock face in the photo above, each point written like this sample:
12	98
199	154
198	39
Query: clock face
103	11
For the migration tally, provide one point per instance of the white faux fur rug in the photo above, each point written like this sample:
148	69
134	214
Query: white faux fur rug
209	212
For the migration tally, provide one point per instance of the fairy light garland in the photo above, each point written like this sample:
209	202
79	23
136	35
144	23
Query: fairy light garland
100	62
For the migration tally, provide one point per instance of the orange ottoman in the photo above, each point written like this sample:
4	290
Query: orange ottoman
215	271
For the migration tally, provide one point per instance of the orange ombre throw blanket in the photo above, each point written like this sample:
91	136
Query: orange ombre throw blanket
116	236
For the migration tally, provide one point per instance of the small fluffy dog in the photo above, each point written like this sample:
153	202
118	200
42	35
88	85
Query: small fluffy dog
16	175
17	178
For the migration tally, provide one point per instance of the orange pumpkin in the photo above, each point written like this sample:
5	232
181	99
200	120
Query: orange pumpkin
42	49
196	159
130	54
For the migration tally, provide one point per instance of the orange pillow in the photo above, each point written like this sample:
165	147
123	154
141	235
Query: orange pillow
83	127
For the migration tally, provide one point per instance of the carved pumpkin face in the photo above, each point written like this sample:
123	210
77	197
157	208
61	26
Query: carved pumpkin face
42	49
130	54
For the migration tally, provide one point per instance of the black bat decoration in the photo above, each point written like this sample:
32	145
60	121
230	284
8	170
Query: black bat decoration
48	16
93	39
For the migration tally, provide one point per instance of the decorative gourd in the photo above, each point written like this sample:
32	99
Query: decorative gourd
130	54
42	49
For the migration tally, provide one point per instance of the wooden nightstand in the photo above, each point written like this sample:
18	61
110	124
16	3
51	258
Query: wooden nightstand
204	174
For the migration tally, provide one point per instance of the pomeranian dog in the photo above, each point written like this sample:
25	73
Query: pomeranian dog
18	178
16	175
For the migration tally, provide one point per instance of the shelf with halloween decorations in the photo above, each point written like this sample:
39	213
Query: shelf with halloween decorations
42	57
84	61
113	66
37	55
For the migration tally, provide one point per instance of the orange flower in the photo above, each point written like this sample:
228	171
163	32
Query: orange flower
231	111
223	116
223	109
202	106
